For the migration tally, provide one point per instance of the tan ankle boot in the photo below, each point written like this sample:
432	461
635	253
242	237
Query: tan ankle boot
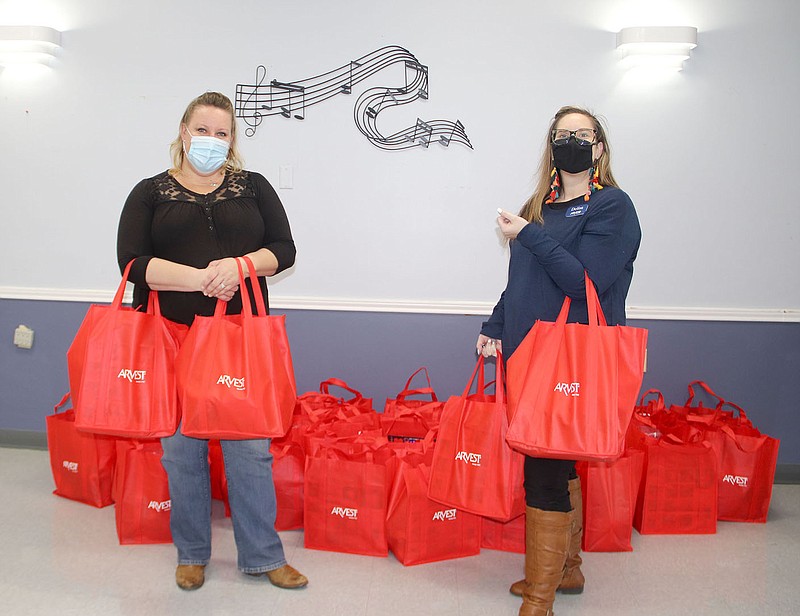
284	577
287	577
546	543
572	582
190	577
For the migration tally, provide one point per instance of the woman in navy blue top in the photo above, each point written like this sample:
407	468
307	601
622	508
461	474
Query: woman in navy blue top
577	219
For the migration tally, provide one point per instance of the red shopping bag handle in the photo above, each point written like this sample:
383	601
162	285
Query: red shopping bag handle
499	386
720	404
593	308
62	402
695	436
247	307
351	449
323	387
707	389
251	270
117	301
743	418
670	441
415	413
757	441
153	307
659	397
423	391
407	391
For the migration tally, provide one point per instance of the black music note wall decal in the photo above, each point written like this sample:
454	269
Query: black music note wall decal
256	101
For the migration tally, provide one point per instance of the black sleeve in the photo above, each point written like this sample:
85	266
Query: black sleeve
134	234
277	233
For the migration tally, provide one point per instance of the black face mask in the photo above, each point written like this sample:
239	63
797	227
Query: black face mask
571	156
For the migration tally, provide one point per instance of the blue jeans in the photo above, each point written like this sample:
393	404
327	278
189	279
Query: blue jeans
251	492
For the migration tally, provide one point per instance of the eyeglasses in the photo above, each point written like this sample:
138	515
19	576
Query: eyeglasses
584	136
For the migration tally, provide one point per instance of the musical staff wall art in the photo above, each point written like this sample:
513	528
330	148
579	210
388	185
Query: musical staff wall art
262	99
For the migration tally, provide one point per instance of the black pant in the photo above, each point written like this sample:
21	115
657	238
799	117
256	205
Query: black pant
547	483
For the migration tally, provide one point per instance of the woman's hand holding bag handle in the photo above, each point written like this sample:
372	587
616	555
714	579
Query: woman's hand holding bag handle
236	379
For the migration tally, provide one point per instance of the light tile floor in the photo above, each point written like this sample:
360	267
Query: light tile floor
62	557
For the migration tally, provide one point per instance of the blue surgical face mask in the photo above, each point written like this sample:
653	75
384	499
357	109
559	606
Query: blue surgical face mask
206	154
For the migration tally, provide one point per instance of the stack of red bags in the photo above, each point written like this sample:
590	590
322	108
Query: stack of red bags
684	468
702	465
99	470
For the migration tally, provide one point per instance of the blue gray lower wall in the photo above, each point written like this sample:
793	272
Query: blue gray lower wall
755	365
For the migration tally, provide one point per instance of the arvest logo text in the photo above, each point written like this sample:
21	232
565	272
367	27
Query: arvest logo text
230	381
469	458
569	389
160	506
345	512
133	376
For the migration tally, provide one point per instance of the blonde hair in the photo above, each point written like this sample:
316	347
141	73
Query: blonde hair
207	99
532	209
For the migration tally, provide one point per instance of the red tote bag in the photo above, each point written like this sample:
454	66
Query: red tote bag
747	464
504	536
473	467
404	417
121	370
346	495
323	406
646	415
315	412
82	463
141	491
288	468
420	530
216	471
678	494
746	458
572	387
235	373
610	491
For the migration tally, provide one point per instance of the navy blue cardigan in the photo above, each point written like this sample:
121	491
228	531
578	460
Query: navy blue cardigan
547	263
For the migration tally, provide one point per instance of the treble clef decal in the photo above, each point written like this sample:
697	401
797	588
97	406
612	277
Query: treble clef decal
256	101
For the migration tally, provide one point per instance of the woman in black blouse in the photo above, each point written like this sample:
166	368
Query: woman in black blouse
184	229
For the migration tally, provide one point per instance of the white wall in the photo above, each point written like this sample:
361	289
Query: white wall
707	154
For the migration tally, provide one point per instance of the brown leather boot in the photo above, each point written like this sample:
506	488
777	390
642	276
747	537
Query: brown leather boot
287	577
546	544
572	582
284	577
190	577
517	588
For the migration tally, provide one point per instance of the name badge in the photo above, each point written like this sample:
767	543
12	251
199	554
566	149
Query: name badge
577	210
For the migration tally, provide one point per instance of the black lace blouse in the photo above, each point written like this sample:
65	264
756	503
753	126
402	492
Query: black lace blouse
163	219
